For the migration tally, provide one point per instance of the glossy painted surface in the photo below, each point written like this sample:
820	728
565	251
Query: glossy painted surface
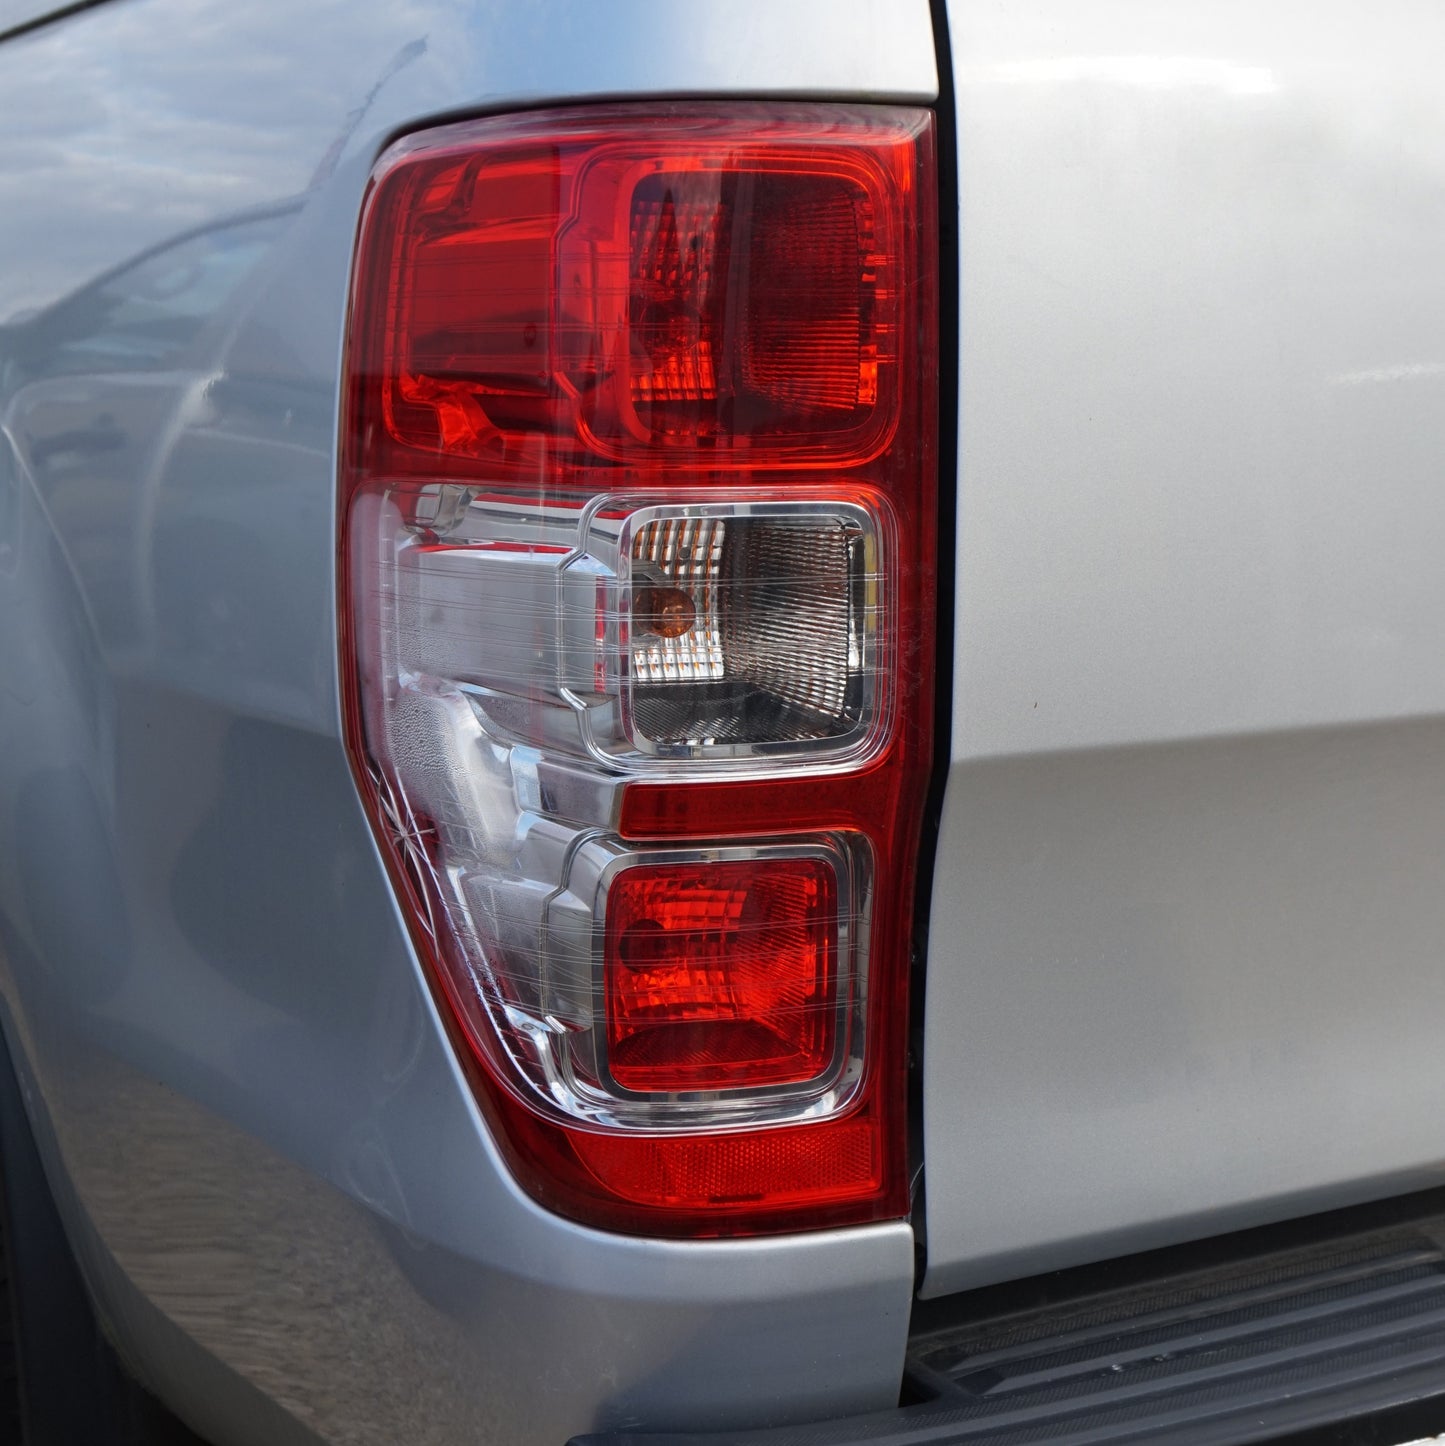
1188	939
18	14
278	1179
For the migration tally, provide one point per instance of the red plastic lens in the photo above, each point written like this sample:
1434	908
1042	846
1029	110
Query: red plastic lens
802	357
720	975
723	294
822	1167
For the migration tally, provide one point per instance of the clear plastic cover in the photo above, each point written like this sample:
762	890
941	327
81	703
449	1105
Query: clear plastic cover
519	838
782	618
655	636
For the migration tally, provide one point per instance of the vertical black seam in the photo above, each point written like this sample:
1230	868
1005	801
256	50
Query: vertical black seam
948	405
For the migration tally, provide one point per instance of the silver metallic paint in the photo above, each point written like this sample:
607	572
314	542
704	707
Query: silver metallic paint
18	14
281	1186
1189	921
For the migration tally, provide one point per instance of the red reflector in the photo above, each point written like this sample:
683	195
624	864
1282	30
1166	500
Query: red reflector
721	974
818	1166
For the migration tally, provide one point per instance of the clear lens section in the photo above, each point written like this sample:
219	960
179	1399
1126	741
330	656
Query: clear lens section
646	989
750	631
656	637
676	579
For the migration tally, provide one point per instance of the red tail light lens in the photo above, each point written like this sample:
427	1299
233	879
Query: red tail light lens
812	1174
640	296
805	363
637	597
721	975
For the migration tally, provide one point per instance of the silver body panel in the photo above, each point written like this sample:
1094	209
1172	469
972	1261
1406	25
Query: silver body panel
19	14
1187	969
275	1173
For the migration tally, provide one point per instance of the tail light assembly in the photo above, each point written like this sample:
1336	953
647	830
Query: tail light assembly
637	571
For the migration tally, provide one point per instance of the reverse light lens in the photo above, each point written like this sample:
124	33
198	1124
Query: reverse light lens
661	635
781	628
720	975
637	612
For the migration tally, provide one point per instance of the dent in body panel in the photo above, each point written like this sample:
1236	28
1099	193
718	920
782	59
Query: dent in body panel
251	1099
1189	867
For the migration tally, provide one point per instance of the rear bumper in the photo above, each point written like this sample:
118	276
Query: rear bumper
1351	1330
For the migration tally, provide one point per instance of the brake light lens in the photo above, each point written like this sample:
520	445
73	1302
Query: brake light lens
598	294
721	975
637	569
